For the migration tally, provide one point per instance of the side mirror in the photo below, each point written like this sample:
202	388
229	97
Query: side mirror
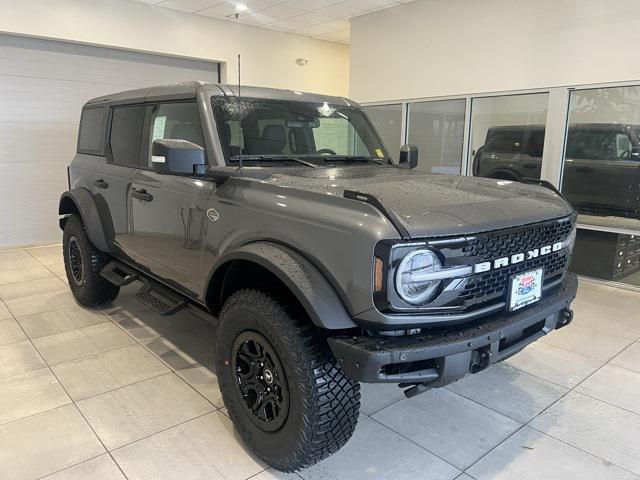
176	157
409	156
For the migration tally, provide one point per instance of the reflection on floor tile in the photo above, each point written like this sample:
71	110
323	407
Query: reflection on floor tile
4	311
630	358
75	344
204	381
24	274
122	416
30	393
531	455
98	468
45	443
47	255
615	385
113	369
31	287
554	364
10	332
17	358
44	302
454	428
376	396
184	349
370	455
603	430
60	320
202	448
17	259
511	392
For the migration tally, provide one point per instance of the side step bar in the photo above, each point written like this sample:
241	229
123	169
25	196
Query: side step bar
152	293
119	274
160	299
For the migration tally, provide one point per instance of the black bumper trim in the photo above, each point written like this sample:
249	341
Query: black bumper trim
449	353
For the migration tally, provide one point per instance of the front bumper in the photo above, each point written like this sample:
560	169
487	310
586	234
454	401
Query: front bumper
443	355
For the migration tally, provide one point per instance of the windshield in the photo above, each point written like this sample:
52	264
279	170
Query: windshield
313	134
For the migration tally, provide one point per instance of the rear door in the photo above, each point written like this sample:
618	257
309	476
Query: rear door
112	181
169	211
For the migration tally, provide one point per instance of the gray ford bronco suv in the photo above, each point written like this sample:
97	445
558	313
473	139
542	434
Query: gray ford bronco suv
326	264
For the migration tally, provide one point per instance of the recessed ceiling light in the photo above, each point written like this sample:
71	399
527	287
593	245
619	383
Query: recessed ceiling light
241	7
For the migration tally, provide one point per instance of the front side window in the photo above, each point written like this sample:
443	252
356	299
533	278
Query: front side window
126	132
175	121
264	130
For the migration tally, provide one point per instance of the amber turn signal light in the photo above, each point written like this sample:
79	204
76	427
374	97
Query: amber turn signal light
377	277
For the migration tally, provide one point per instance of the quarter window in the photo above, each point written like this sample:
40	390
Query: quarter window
92	131
126	132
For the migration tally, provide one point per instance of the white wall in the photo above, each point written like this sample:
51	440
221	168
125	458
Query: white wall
447	47
268	57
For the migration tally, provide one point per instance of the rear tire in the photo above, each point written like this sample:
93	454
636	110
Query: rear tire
83	263
274	360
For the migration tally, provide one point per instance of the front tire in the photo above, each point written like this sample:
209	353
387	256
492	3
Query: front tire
83	263
284	391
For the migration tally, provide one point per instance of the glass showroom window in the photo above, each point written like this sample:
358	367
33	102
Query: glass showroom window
387	120
507	135
601	179
437	128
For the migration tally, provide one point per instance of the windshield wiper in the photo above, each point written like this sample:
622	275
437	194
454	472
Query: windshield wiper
271	158
349	158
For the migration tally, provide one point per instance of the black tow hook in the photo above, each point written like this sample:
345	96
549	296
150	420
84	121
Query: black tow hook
416	388
566	316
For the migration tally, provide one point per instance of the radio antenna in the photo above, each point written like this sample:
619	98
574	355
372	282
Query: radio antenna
239	117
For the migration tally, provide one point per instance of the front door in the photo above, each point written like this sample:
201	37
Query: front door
169	215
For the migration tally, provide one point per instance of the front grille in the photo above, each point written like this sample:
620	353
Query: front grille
490	287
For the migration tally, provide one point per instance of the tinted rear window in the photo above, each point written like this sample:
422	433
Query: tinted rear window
126	131
92	131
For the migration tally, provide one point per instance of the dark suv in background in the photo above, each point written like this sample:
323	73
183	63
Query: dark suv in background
325	263
600	157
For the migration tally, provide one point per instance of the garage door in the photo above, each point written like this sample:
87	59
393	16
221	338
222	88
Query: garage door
43	85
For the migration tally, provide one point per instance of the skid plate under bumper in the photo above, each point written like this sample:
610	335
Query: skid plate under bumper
443	355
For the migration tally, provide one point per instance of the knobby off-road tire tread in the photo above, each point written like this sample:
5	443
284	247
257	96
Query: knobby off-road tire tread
331	401
96	290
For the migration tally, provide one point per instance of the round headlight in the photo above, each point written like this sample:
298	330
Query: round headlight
409	282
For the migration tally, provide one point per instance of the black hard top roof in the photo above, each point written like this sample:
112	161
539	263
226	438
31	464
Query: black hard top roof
188	90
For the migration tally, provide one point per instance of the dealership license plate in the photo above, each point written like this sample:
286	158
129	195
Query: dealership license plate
526	288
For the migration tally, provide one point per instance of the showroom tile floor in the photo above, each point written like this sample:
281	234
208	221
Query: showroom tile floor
124	393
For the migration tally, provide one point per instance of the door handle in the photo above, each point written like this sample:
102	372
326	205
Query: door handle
142	195
529	165
100	183
584	169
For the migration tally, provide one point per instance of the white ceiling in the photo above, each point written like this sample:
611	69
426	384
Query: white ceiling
324	19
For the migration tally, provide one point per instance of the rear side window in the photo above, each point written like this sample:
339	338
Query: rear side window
126	132
92	130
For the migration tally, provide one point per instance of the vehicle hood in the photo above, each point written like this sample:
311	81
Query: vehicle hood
433	205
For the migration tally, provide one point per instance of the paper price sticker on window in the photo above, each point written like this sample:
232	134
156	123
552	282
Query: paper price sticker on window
379	153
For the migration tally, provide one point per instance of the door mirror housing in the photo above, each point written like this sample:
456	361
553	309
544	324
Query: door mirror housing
635	153
409	156
177	157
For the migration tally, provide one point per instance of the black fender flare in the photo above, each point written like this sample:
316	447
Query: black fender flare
306	283
81	201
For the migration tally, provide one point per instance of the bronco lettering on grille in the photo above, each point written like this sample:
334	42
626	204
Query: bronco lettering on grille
517	258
